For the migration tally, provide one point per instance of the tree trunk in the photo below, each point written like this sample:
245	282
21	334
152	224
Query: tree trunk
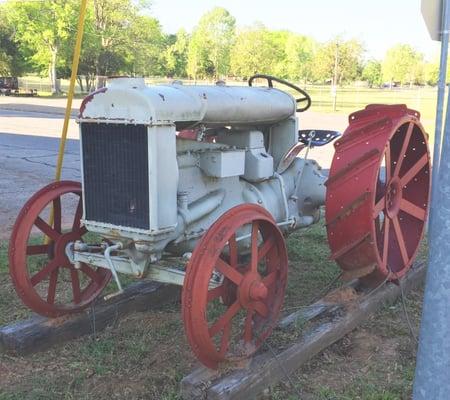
88	80
80	82
53	78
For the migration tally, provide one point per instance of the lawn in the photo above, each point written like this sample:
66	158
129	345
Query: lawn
145	355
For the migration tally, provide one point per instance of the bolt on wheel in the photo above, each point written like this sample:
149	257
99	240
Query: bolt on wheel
43	276
231	301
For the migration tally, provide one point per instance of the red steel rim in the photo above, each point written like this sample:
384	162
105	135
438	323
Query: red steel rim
246	288
20	250
377	204
402	202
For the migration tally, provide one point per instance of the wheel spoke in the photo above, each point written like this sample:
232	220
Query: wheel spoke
270	279
57	214
215	293
400	240
46	228
387	161
386	240
379	207
266	247
404	148
414	170
254	260
44	272
412	209
261	309
52	286
225	340
225	319
75	285
78	214
248	326
94	275
37	249
225	269
232	244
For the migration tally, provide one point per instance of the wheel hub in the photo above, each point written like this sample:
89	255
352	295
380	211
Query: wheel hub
61	244
393	197
251	290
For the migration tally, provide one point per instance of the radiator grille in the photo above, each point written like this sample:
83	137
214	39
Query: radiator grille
115	170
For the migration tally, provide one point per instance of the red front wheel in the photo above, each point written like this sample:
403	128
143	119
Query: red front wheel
43	276
232	295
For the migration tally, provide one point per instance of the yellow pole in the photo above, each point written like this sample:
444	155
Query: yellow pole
73	78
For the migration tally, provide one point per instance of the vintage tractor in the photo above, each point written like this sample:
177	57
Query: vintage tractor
216	176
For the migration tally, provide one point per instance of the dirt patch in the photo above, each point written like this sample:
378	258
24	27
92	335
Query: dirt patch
343	295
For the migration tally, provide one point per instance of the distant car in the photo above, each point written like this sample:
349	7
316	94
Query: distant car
9	86
390	84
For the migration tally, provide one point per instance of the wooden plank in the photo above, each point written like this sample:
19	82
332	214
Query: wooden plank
193	386
265	370
39	333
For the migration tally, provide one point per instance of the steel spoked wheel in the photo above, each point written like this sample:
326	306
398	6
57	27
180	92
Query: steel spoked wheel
232	293
42	274
378	193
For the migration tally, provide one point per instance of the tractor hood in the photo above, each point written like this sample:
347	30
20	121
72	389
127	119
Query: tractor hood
130	100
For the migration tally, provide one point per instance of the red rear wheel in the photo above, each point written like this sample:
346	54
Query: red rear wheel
378	193
231	301
42	274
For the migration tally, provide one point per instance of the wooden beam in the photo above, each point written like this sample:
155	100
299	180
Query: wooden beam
39	333
264	370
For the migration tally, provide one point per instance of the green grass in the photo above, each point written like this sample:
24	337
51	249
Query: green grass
145	355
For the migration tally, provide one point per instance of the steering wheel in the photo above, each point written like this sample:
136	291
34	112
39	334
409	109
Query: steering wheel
270	79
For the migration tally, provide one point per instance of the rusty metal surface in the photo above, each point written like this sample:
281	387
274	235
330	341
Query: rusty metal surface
378	192
245	289
39	282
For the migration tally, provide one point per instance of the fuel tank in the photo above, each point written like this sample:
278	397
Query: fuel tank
130	100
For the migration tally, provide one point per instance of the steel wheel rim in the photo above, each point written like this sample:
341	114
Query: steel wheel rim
363	200
402	202
259	297
20	250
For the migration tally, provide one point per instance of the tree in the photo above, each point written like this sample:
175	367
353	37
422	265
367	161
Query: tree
209	48
299	57
145	52
338	61
176	55
11	60
403	64
372	73
252	52
43	29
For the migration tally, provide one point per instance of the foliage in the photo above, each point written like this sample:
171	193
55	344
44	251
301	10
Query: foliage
145	50
42	29
300	51
372	73
177	55
431	73
11	62
403	64
121	38
252	52
210	45
347	53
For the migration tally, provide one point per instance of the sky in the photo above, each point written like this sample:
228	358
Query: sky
379	24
